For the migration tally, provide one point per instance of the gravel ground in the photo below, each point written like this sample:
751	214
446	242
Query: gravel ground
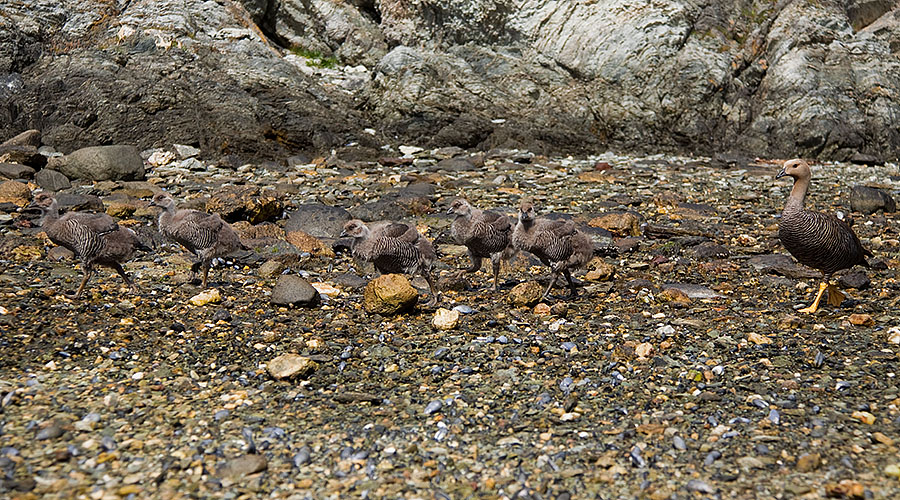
681	370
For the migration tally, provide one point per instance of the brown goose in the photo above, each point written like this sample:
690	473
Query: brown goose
205	235
95	238
557	243
393	247
821	241
484	234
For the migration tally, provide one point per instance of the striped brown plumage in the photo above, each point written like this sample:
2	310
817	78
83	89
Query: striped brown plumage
205	235
818	240
393	247
95	238
484	234
557	243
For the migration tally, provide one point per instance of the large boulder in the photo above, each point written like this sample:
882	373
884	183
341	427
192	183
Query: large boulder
291	290
247	202
101	163
868	200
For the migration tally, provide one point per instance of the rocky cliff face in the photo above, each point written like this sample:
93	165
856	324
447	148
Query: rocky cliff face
789	78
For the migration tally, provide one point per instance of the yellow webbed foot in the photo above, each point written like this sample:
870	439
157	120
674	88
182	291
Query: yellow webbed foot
835	296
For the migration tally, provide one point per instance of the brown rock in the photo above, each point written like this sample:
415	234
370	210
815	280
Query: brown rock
809	462
790	322
542	309
308	243
861	319
242	466
290	365
248	203
15	192
23	155
389	294
526	294
847	488
620	224
599	270
675	296
121	209
16	171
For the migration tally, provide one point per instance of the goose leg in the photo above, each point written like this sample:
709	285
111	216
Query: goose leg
553	275
434	298
205	266
815	305
128	281
495	266
474	265
88	271
572	290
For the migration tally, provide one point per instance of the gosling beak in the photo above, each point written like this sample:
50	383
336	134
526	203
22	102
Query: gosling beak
343	234
152	204
450	211
781	174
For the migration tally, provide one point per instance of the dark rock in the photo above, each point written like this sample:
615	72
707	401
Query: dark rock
51	180
864	159
240	467
855	279
392	207
350	280
457	164
316	219
16	171
246	202
71	201
23	155
291	290
101	163
710	250
868	200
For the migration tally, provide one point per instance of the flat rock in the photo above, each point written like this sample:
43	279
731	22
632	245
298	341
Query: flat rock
101	163
290	365
389	294
855	279
319	220
692	291
16	171
445	319
868	200
292	290
782	264
23	155
242	466
618	223
306	242
52	180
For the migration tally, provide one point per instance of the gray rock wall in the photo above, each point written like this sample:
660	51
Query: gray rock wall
789	78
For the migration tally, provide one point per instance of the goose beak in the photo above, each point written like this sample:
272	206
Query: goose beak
343	234
781	174
450	211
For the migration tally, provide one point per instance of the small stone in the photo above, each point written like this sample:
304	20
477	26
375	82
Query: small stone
445	319
15	192
748	463
246	202
892	470
60	253
52	431
240	467
326	289
881	438
211	296
758	339
433	407
861	319
525	294
599	270
864	417
790	322
809	462
289	365
463	309
643	349
542	309
184	151
674	295
292	290
847	488
893	335
700	487
855	279
389	294
271	268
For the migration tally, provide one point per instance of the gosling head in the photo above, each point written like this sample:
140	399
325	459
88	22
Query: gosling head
43	200
355	229
162	200
460	207
796	168
526	211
